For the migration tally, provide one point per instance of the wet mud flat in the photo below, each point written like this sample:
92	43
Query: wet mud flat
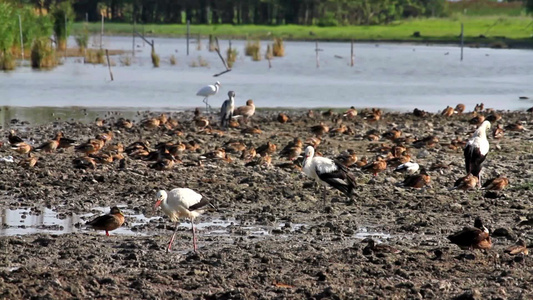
271	236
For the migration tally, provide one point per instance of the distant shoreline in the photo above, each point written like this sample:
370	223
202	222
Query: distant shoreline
486	31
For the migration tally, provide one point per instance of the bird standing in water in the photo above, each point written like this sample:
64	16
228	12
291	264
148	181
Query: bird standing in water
108	222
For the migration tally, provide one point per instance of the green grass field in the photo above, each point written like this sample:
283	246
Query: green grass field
518	28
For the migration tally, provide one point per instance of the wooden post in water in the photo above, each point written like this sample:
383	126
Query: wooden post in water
462	40
102	32
188	33
133	43
351	56
66	37
316	50
109	64
21	41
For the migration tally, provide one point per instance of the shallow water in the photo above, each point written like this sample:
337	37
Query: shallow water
25	221
391	76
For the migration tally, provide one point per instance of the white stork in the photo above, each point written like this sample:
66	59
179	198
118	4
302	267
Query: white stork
226	111
328	172
181	202
476	150
408	167
208	90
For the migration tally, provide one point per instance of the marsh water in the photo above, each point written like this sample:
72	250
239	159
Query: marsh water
391	76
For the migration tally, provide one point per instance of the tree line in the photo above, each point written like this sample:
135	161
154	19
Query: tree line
264	12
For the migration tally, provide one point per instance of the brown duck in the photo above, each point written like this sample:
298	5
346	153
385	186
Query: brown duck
51	145
417	181
519	248
470	238
108	222
376	166
469	182
496	184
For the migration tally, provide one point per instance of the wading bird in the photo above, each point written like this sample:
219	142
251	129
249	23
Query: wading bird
328	172
181	202
206	91
476	150
226	111
108	222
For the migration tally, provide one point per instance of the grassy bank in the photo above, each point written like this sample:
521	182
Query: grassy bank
494	28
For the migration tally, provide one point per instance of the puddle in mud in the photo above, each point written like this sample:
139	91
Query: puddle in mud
44	220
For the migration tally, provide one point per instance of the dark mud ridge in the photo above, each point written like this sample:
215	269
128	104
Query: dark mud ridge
272	235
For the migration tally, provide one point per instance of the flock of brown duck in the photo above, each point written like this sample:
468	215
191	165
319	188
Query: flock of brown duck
392	149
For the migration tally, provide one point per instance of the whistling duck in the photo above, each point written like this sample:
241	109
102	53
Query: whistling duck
377	248
91	146
65	143
477	120
361	162
283	118
327	114
419	113
447	112
289	166
476	150
234	146
252	130
102	158
376	166
519	248
313	141
201	122
292	150
468	182
99	122
150	124
28	162
496	184
498	132
13	139
248	154
515	126
392	134
460	108
246	111
108	222
417	181
320	130
328	173
118	147
310	114
233	123
84	162
350	113
395	162
124	123
51	145
479	107
22	148
347	158
470	238
494	117
398	150
163	118
268	148
265	160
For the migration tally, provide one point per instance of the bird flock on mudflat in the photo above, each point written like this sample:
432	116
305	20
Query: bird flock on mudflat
340	173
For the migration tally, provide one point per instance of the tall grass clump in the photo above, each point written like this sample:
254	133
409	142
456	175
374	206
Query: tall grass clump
173	60
278	48
60	13
125	61
93	56
253	49
155	58
82	38
212	43
43	55
198	43
7	35
231	56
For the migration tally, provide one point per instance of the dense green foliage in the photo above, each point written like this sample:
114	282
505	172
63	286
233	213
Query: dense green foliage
63	17
264	12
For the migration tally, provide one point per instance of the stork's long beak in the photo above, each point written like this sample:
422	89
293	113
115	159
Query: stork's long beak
157	203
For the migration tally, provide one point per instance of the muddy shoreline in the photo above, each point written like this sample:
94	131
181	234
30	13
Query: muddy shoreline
279	239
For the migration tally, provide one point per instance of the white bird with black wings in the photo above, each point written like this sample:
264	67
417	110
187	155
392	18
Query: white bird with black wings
328	173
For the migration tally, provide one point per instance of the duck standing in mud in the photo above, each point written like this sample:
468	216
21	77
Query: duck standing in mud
108	222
